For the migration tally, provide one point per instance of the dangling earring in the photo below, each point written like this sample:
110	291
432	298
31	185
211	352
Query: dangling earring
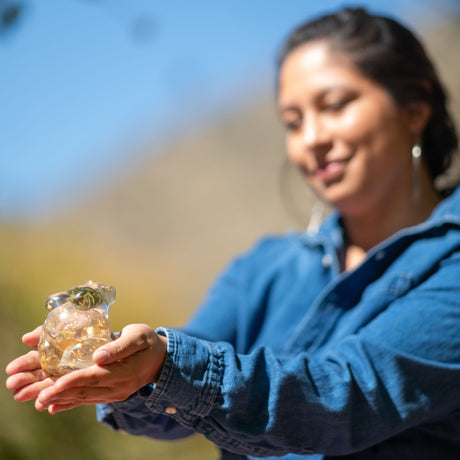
416	161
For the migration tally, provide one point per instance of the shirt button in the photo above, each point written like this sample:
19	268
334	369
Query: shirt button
380	255
171	410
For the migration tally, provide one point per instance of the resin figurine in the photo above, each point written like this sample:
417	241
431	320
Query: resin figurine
77	324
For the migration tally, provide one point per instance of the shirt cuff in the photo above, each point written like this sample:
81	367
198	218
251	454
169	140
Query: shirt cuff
190	381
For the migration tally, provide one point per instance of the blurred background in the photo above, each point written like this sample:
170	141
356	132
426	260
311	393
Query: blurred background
140	146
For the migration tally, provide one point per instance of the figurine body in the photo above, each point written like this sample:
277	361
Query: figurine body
77	324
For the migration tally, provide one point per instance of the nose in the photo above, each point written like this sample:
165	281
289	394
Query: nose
315	133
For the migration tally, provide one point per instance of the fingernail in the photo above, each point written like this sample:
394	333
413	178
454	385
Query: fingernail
52	410
100	356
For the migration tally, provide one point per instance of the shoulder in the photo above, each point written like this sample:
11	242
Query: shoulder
267	256
275	247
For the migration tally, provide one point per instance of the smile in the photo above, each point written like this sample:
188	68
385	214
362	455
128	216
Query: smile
330	172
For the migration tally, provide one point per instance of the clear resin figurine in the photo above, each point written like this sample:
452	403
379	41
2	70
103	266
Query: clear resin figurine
77	324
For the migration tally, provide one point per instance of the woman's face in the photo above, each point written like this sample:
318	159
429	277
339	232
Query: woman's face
345	132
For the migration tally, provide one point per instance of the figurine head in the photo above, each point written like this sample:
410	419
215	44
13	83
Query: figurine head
84	296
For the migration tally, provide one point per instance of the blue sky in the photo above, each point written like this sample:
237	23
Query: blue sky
84	84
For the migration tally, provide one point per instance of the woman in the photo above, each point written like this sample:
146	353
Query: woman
342	342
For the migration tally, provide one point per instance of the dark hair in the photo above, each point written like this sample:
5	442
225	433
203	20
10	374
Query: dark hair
391	55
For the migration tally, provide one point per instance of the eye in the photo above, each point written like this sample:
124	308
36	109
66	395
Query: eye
291	121
291	118
336	106
337	102
292	125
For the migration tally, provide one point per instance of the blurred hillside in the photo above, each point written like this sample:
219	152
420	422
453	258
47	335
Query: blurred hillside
164	228
160	233
184	212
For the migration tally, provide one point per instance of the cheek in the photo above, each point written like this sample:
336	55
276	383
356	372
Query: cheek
292	150
360	126
371	117
296	153
383	141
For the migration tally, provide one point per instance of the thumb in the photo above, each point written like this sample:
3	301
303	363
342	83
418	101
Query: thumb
133	338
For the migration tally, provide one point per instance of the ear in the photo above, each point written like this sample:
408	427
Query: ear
419	113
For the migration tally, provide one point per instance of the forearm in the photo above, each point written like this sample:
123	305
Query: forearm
262	405
134	417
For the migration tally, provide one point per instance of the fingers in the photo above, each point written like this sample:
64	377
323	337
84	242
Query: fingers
26	377
21	379
75	397
27	362
87	386
89	377
119	381
122	367
31	391
32	338
133	338
55	408
100	384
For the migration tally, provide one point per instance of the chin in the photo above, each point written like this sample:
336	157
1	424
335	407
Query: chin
347	204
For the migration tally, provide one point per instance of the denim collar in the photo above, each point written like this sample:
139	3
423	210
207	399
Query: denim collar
331	233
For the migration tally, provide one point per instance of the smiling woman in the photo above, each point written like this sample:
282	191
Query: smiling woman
338	343
352	139
354	106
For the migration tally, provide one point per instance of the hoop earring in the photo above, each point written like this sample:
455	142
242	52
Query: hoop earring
416	162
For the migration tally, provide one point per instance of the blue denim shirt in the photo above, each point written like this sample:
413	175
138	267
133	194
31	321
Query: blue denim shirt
291	357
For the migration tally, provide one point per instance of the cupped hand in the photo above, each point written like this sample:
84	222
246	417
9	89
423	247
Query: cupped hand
26	377
122	367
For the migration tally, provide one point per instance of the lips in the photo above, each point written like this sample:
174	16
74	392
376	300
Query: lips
331	171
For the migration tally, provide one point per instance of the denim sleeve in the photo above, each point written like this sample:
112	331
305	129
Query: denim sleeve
401	370
215	320
134	417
